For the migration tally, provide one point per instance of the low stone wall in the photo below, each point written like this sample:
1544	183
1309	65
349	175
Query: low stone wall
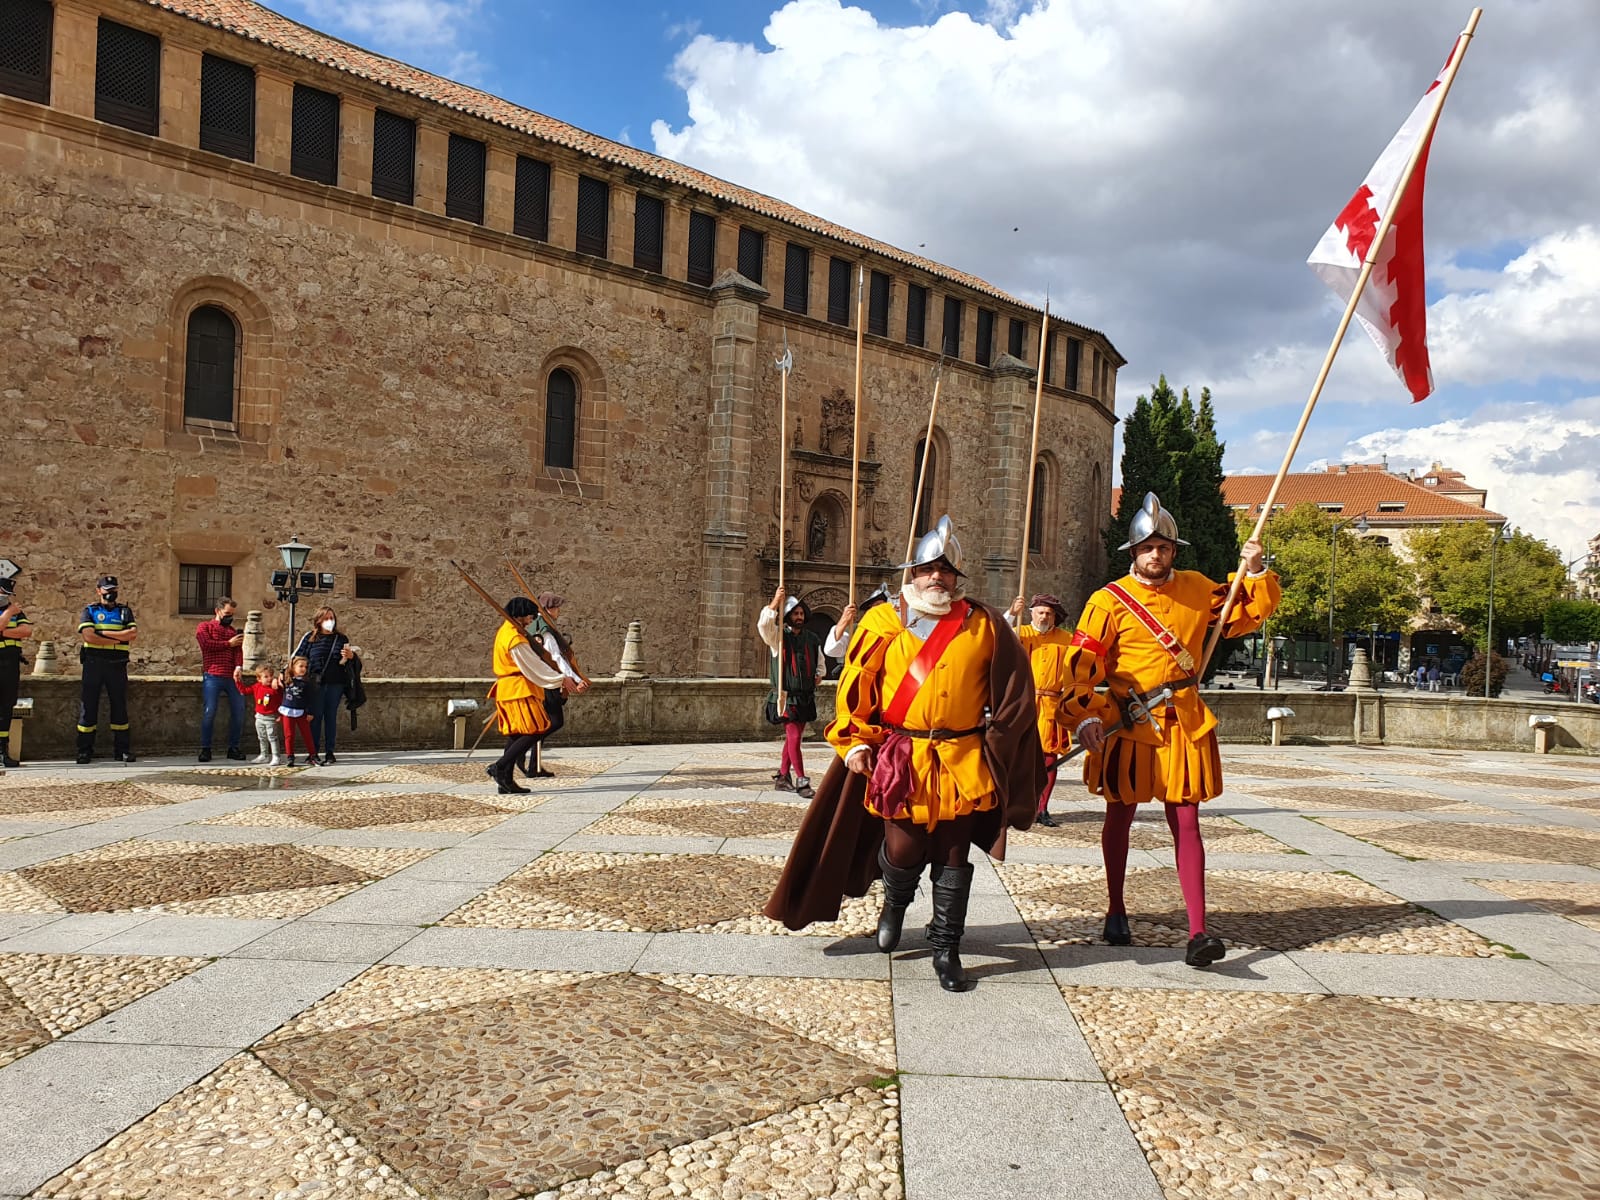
409	714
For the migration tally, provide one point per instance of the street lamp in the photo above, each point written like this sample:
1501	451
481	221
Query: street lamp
1502	533
1360	522
1275	658
1372	650
288	582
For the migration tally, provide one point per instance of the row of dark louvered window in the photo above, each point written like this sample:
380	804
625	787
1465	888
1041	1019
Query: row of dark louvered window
985	352
916	315
878	305
649	232
25	49
702	248
594	215
797	278
839	274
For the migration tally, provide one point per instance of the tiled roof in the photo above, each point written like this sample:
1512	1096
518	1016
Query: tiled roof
262	25
1359	492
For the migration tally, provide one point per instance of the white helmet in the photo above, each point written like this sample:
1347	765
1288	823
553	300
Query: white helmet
939	542
1151	521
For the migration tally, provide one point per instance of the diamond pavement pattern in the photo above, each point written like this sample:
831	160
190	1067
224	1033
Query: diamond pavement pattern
520	1093
84	797
362	813
113	885
662	894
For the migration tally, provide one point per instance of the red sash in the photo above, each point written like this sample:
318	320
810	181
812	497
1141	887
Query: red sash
1164	637
922	665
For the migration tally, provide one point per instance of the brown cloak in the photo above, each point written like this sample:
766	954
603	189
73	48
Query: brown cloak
835	852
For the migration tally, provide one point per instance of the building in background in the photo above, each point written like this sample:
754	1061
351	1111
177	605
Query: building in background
259	283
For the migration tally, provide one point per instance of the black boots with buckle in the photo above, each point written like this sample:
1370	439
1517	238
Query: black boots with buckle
952	888
899	888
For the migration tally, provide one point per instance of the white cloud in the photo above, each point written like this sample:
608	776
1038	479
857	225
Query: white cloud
1540	463
426	33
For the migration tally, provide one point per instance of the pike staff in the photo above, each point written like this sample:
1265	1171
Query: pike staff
1369	261
566	646
495	604
855	436
927	453
785	364
1033	450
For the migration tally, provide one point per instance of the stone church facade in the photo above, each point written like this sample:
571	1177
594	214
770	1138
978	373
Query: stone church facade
259	283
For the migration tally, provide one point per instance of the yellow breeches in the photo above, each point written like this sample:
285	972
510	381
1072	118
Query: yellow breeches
1180	771
1053	736
951	780
523	715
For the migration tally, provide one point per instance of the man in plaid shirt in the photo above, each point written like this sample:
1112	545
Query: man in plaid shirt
221	650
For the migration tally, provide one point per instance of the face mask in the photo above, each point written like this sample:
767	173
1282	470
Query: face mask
327	627
225	620
109	595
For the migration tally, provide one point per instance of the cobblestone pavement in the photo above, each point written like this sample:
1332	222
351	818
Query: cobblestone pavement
384	979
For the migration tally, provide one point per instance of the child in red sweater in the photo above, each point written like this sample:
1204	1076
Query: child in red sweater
268	694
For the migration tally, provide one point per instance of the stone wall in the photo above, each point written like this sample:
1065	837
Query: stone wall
409	714
391	389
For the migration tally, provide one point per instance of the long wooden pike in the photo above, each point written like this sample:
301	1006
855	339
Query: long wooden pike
855	437
1033	450
785	364
527	591
1370	261
927	454
504	616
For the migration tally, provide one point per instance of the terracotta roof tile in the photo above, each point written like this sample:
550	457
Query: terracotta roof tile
1359	492
260	24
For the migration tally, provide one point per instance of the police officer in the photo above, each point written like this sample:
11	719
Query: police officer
14	627
107	629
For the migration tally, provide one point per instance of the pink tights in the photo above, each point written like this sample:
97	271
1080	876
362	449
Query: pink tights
1050	761
1184	821
791	749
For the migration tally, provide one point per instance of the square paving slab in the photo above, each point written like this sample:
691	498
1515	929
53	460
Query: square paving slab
737	816
44	996
381	810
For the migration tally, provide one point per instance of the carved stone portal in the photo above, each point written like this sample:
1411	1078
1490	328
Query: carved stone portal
838	423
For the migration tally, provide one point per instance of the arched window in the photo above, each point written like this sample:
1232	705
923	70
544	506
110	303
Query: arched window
1036	515
210	361
561	419
922	487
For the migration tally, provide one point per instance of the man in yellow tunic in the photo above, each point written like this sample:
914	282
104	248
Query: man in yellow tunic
1047	643
938	751
1142	636
521	674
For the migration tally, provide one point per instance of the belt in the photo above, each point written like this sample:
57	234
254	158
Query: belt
937	735
1052	695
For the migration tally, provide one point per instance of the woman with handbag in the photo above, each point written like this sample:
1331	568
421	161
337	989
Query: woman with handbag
328	652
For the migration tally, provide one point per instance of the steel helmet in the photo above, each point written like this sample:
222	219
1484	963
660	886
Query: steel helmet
939	542
1151	521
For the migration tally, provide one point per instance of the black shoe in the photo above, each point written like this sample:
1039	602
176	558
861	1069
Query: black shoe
235	753
313	761
83	757
782	783
1204	949
899	889
505	780
205	755
125	756
1046	820
327	759
952	888
289	761
8	761
1116	931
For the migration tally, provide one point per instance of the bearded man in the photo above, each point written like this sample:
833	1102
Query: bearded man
938	750
1047	643
1149	736
797	664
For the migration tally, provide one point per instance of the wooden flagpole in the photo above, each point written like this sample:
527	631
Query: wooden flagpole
1367	266
1033	451
927	453
784	364
855	437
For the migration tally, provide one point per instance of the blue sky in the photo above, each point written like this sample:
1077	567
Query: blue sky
1169	164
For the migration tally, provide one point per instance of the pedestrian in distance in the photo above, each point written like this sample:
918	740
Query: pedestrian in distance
107	630
221	657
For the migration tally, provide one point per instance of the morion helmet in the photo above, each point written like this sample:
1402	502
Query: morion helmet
939	542
1151	521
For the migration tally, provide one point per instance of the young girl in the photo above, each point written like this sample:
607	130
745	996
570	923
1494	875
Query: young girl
268	694
296	696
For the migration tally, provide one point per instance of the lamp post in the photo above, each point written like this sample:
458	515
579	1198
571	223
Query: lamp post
294	552
1502	533
1372	653
1275	657
1360	522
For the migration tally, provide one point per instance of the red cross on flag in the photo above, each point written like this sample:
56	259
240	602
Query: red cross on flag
1394	306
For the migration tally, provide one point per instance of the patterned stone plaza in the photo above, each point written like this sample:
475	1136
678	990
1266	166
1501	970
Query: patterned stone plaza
383	979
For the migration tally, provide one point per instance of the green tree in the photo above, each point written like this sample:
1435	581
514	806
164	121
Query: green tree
1453	562
1171	448
1370	585
1570	621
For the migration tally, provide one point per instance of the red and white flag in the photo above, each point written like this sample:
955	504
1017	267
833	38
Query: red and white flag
1394	306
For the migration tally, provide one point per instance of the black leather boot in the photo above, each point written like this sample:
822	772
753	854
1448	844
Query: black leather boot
952	888
899	889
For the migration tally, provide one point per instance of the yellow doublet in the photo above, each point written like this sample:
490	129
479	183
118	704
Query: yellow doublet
1047	652
518	701
951	776
1174	757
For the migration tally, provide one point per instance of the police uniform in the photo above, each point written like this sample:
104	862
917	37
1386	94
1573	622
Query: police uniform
104	667
10	674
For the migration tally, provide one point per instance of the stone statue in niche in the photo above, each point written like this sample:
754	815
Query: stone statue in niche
878	552
838	423
817	535
798	428
872	447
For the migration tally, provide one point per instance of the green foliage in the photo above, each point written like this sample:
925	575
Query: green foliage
1572	621
1170	447
1453	567
1472	675
1370	584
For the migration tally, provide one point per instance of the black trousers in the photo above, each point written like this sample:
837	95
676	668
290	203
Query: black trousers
110	674
555	707
10	680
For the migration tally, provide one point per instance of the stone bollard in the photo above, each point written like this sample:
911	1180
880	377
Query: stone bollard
632	653
45	661
1360	671
254	640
